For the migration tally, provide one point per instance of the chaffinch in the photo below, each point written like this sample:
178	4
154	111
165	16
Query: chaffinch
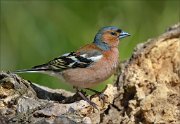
89	65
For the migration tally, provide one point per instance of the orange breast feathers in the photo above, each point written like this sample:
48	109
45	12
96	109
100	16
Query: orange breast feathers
95	73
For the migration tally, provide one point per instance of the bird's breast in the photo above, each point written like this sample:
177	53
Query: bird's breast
94	74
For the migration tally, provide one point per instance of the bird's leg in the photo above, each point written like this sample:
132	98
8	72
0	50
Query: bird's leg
85	98
99	94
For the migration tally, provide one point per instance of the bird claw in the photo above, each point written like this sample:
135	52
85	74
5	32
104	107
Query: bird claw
101	95
94	105
81	94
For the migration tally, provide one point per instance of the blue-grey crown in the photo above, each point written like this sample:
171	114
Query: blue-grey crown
109	28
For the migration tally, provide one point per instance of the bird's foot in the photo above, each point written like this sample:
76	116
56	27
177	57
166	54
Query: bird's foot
87	100
82	94
102	96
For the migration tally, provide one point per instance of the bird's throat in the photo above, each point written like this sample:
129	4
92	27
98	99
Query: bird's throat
102	45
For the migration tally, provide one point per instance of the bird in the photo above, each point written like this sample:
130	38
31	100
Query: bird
89	65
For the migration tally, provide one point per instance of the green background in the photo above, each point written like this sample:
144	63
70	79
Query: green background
34	32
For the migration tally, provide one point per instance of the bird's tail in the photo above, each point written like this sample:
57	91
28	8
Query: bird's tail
36	69
26	71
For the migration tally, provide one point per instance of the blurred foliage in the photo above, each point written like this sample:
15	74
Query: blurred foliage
33	32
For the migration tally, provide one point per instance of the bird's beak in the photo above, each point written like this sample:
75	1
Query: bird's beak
123	34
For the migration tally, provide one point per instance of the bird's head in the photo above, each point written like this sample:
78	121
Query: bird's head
109	37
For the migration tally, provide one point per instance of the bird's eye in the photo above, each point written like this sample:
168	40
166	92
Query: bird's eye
113	33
